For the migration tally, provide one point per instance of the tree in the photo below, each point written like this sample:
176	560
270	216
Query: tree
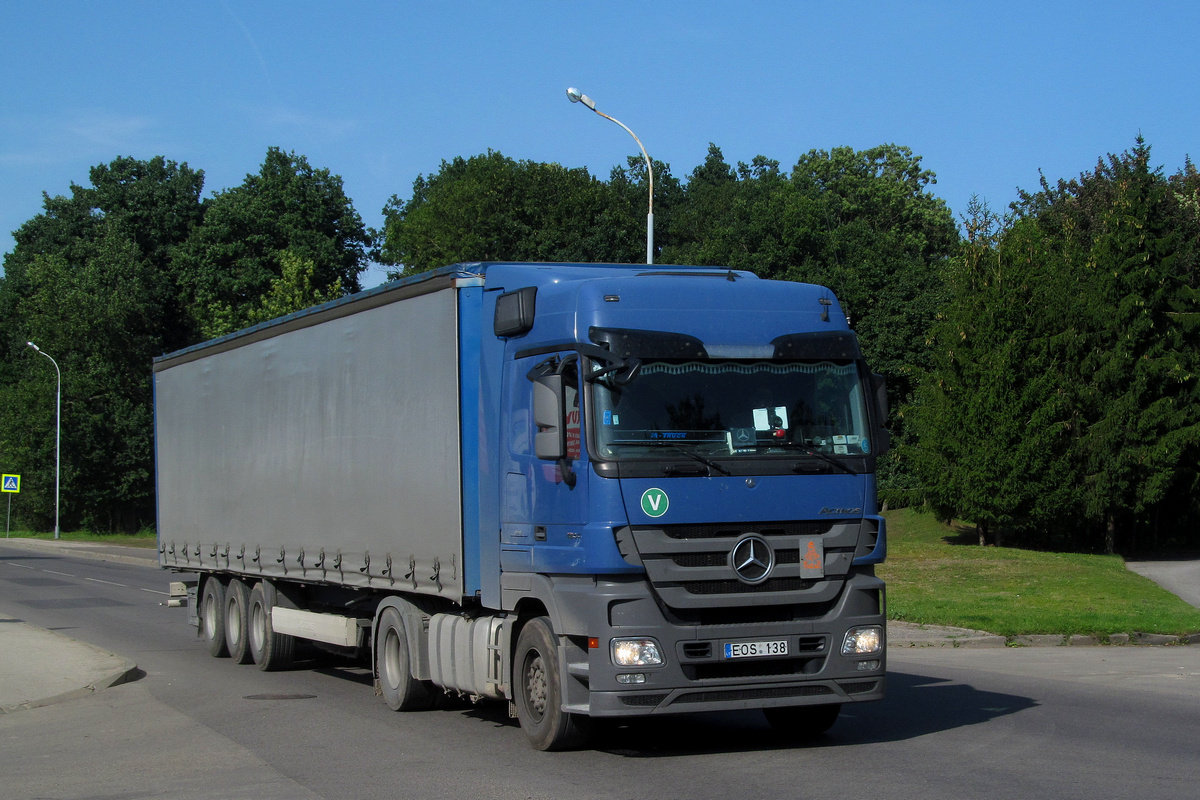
860	222
993	429
231	261
735	217
492	208
90	281
1081	342
1138	373
128	268
292	291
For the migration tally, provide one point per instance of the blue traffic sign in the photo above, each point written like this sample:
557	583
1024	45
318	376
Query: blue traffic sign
12	483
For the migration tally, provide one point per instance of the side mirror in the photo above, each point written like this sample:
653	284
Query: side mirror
550	441
882	437
515	312
879	384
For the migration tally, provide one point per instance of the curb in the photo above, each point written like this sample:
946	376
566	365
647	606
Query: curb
910	635
99	552
124	673
127	673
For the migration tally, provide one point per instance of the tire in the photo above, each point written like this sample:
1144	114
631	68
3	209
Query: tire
270	650
393	667
539	695
802	723
212	617
237	622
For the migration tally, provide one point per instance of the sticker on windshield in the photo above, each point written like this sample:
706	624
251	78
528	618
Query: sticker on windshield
866	446
654	502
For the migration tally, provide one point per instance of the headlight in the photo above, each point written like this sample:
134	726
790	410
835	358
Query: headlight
636	653
863	641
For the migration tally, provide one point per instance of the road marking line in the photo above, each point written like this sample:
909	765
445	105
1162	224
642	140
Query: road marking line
155	591
110	583
52	572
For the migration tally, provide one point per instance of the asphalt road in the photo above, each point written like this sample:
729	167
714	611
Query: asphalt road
1093	722
1181	577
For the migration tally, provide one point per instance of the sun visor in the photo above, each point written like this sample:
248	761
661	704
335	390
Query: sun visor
628	342
840	345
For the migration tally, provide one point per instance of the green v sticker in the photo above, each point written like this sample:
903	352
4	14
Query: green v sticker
655	502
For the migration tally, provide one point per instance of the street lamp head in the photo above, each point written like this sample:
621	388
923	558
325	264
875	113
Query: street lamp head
577	96
34	346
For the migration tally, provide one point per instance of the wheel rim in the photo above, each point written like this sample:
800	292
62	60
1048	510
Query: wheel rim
391	659
258	629
233	622
210	616
535	686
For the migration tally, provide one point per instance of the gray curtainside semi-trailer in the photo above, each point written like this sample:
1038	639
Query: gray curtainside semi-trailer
588	490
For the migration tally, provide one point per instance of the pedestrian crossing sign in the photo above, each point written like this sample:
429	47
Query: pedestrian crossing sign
12	484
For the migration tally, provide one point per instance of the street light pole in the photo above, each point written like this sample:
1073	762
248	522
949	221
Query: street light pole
57	436
577	96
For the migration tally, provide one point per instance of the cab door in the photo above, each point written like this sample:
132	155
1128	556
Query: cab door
546	485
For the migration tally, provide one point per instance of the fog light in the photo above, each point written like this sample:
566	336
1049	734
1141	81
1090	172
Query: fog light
636	653
867	666
863	641
632	677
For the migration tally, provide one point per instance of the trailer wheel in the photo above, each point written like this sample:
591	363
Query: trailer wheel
802	722
401	691
212	617
270	650
539	692
237	625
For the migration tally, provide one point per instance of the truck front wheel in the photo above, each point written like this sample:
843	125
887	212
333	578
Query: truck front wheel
401	691
539	691
212	616
270	650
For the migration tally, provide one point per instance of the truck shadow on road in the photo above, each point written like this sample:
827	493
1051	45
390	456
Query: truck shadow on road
916	705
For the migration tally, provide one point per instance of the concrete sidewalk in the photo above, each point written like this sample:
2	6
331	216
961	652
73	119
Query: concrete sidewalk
40	667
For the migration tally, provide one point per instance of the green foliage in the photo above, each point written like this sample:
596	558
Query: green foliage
292	291
128	268
235	257
492	208
90	283
860	222
1063	407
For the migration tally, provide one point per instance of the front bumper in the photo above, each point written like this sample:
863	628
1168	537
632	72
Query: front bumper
696	675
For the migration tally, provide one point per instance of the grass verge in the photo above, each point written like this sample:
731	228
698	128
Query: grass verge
936	576
142	539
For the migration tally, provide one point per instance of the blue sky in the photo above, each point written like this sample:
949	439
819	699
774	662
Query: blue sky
380	92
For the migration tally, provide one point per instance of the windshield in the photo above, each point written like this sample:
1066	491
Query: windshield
734	409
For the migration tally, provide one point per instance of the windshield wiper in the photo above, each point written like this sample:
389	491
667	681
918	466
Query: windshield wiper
692	454
823	456
808	451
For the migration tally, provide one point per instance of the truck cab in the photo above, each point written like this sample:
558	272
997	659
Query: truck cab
687	490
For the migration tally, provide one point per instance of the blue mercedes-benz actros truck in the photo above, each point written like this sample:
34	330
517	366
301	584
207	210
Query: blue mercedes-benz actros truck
589	490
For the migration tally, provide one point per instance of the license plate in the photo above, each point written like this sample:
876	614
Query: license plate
778	647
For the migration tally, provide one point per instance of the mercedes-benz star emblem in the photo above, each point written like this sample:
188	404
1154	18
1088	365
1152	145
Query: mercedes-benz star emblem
752	559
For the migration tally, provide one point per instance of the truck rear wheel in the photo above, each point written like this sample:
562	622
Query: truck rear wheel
212	617
539	694
270	650
237	603
802	722
401	691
